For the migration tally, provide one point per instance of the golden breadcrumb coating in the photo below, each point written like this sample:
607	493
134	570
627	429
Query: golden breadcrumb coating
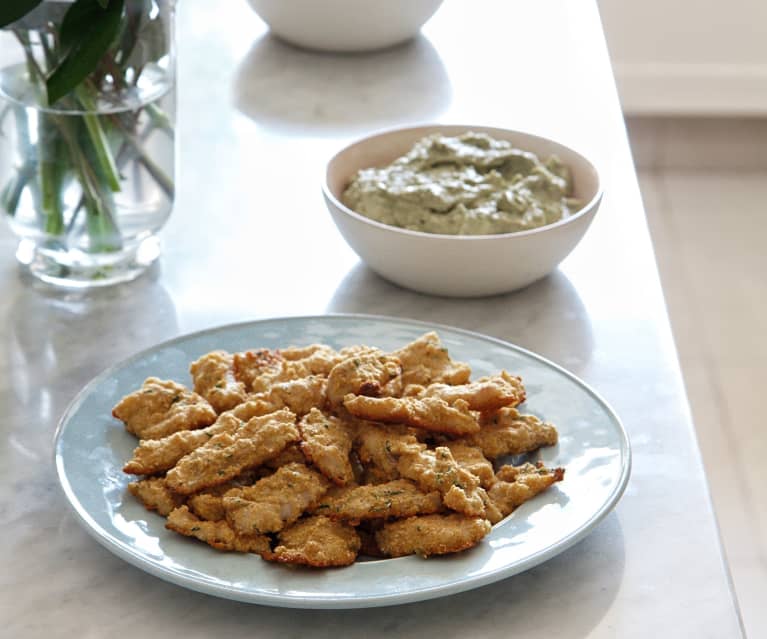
162	407
374	375
158	455
431	413
214	379
262	369
226	455
312	456
249	366
398	498
472	459
218	534
492	513
207	506
318	542
431	535
291	455
486	394
425	361
320	361
326	443
357	350
155	495
299	395
506	432
437	470
293	353
377	447
275	501
517	484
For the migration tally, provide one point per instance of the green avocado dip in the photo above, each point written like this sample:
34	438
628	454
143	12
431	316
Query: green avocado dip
471	184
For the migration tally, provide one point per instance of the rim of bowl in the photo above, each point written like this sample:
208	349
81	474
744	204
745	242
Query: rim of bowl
480	128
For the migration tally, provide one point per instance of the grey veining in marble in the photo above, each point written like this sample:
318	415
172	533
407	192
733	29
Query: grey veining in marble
250	238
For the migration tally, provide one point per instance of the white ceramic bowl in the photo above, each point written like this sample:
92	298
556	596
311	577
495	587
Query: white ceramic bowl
458	265
345	25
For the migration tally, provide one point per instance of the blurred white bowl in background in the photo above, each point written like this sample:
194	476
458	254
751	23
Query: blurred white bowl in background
345	25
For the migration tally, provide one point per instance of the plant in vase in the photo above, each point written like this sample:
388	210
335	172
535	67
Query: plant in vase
86	134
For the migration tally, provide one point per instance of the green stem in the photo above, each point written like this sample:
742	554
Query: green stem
105	237
49	171
64	145
99	139
50	185
103	231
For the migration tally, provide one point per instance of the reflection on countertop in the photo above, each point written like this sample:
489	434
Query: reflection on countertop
548	317
55	339
293	90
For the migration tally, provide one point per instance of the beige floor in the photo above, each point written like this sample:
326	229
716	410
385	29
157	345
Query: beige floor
704	185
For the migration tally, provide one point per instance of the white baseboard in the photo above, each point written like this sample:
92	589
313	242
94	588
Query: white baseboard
692	89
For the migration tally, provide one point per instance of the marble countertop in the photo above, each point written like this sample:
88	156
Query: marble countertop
250	238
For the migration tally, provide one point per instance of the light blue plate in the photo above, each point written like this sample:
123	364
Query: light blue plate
91	448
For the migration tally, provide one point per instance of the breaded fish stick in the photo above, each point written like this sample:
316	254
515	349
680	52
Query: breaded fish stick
398	498
226	455
506	432
318	542
249	367
425	361
517	484
431	535
209	504
378	445
218	534
260	370
431	413
156	456
486	394
299	395
472	459
327	442
437	470
374	375
155	495
213	376
162	407
275	501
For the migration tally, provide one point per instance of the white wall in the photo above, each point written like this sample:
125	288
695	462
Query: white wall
689	56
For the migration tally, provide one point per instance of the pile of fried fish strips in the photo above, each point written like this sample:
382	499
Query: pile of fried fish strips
315	456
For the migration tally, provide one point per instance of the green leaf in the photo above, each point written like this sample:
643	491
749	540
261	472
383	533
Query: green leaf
12	10
82	17
87	32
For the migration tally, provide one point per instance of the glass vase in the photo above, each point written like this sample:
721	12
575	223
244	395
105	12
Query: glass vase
88	181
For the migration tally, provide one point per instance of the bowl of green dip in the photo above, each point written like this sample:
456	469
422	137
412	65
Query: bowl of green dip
461	211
